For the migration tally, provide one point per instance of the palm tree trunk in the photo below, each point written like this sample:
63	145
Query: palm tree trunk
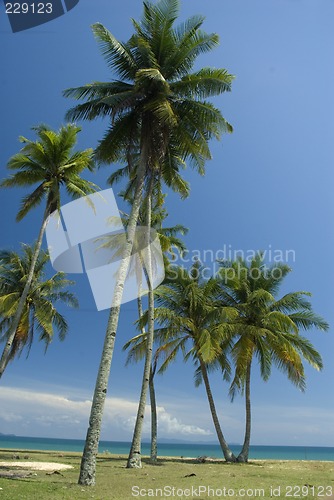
243	456
154	420
228	454
153	404
88	462
17	318
134	458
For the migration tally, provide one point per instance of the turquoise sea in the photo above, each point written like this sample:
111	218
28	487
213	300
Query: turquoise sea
175	450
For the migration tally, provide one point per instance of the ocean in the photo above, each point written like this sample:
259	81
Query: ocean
167	449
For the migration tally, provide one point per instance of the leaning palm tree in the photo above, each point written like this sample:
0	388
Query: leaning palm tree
153	218
138	345
193	322
49	163
266	327
137	349
158	110
170	243
39	312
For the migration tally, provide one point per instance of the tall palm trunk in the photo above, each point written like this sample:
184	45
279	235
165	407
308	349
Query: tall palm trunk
134	458
228	454
243	456
17	318
154	420
88	462
153	404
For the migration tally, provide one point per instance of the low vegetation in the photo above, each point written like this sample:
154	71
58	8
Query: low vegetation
302	479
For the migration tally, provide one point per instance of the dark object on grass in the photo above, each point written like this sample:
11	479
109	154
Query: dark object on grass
11	474
190	475
55	472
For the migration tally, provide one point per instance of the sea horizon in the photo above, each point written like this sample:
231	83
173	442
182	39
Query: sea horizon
170	448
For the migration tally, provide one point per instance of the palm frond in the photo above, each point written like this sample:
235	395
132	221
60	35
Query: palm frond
116	54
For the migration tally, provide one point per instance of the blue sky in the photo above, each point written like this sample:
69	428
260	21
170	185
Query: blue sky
269	186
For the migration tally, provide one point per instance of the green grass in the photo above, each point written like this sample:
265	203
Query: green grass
114	481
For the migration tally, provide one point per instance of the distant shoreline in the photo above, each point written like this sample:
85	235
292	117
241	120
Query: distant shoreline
117	456
257	452
163	441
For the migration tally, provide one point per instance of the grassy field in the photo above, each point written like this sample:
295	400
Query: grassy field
258	479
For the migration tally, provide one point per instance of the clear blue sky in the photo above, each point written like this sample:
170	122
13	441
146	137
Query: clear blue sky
268	186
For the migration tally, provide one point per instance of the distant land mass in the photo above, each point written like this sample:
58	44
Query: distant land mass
145	440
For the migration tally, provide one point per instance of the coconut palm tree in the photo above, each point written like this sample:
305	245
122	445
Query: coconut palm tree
193	322
153	218
266	327
50	163
137	346
158	109
39	312
170	244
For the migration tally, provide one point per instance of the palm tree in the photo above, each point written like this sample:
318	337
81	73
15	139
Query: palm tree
159	111
39	312
266	327
169	243
137	352
193	322
137	346
51	163
153	218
